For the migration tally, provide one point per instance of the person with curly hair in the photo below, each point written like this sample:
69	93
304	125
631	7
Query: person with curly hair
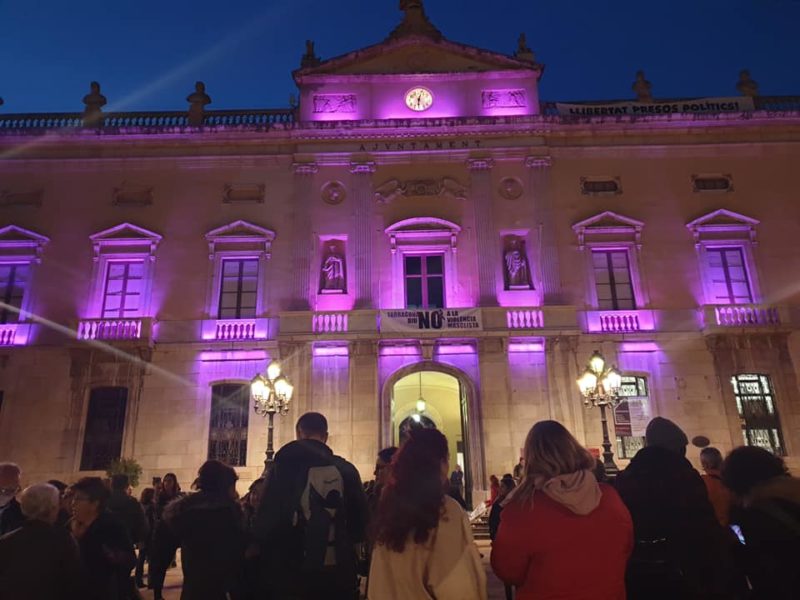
423	542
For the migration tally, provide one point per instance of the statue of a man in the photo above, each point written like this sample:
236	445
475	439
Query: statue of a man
94	102
333	271
643	88
746	85
516	267
197	101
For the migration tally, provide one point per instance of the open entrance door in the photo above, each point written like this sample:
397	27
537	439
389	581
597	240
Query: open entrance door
432	399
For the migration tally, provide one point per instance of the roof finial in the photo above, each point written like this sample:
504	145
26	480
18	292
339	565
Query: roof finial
415	21
523	51
310	58
746	85
643	88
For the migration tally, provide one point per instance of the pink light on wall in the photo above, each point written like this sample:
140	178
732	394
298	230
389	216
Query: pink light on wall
400	349
525	346
232	355
330	350
638	347
448	349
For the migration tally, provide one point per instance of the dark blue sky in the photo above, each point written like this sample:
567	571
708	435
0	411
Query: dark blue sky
147	54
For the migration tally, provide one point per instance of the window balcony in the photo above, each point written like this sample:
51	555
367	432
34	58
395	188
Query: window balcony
619	321
14	334
745	316
236	330
114	330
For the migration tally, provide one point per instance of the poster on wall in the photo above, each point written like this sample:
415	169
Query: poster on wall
644	109
631	417
437	319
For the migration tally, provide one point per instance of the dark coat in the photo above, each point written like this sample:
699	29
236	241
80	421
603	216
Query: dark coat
680	549
494	518
283	544
770	522
130	512
11	518
107	555
208	529
40	561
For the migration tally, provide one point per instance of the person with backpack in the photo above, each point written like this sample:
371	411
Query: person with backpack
311	518
767	512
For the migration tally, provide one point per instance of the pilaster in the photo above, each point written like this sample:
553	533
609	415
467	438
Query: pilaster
362	232
487	242
302	245
540	190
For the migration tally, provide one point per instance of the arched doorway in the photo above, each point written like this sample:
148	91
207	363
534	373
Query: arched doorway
430	394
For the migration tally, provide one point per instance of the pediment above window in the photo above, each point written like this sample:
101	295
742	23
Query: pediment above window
608	228
423	231
125	238
723	224
240	235
21	242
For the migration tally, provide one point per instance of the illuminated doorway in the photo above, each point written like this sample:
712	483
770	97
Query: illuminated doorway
433	399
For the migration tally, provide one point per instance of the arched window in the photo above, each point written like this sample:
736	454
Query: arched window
227	437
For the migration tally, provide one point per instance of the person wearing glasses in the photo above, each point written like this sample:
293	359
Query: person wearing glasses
11	517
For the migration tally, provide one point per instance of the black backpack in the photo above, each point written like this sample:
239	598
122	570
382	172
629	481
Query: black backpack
321	520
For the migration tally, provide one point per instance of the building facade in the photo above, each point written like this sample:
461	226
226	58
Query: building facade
420	240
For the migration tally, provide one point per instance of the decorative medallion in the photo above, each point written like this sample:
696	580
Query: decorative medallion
510	188
333	193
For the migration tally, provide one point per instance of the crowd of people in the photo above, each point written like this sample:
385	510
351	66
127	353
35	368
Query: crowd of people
310	530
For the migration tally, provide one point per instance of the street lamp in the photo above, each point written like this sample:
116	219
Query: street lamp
271	394
599	386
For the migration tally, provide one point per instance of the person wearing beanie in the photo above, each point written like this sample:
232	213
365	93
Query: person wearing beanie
665	434
680	549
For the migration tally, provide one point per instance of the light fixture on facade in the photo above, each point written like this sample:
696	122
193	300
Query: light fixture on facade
271	394
600	386
421	404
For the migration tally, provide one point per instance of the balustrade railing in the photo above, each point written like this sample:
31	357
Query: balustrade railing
746	315
524	318
8	334
329	322
160	119
236	329
110	329
619	322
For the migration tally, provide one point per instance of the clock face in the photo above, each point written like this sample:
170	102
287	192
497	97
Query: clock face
419	99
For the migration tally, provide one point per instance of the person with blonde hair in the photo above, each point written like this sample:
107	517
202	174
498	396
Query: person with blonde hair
559	522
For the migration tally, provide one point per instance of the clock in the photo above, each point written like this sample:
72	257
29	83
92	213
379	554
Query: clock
419	99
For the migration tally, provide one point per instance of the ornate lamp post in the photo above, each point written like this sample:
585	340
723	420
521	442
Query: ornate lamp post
271	394
600	385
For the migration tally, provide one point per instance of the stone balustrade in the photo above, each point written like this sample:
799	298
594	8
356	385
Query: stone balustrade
235	329
113	329
8	334
744	315
524	318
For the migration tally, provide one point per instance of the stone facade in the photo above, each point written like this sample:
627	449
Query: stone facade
385	182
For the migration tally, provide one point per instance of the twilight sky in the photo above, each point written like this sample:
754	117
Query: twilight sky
147	54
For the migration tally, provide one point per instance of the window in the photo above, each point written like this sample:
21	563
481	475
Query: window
123	290
631	416
238	288
755	403
612	276
105	423
424	281
13	280
728	275
227	438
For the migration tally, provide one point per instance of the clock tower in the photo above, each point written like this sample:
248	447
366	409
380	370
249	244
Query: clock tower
417	73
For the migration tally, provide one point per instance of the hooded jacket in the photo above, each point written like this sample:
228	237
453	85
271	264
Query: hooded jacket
572	542
769	517
208	529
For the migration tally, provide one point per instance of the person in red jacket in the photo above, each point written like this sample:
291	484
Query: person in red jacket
562	535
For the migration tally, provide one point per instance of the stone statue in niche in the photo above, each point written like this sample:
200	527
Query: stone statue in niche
517	273
643	88
332	278
197	101
746	85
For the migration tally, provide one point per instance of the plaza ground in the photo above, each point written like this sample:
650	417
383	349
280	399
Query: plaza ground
172	590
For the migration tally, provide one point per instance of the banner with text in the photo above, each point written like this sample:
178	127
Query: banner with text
438	319
635	109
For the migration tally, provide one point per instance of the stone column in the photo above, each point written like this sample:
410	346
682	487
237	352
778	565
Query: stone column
302	244
539	168
485	234
361	235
